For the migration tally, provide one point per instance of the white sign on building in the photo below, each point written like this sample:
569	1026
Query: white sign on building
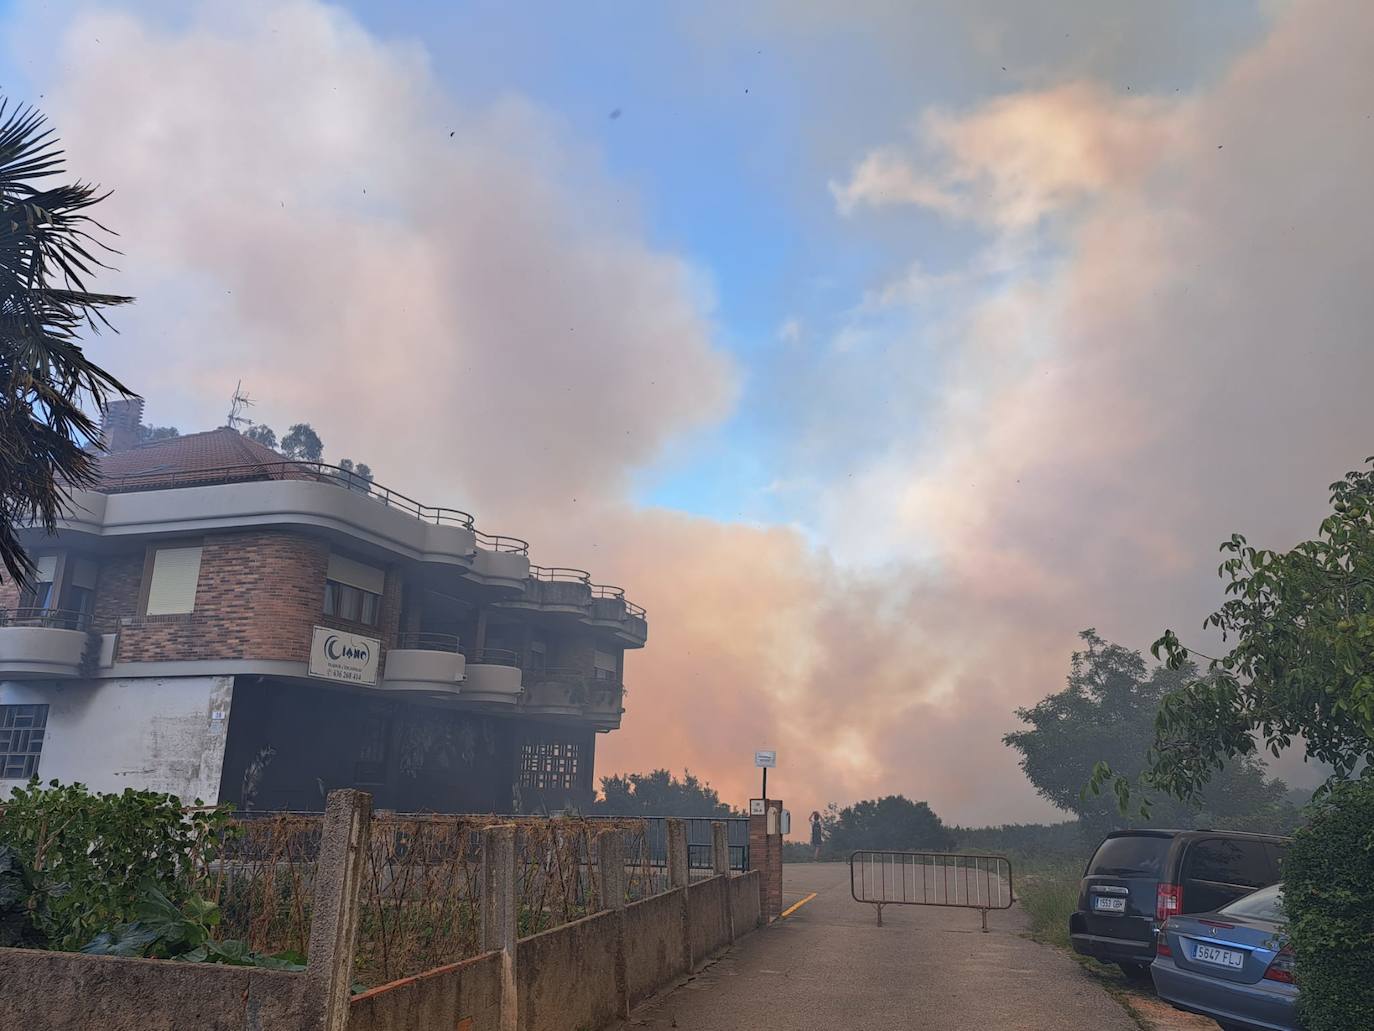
339	655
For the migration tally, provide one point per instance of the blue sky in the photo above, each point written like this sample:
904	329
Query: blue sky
729	124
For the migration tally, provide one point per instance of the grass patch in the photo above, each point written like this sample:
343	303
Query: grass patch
1049	896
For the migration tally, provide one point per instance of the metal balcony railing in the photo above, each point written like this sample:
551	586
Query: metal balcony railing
315	472
429	642
610	591
560	574
498	657
56	619
607	676
61	619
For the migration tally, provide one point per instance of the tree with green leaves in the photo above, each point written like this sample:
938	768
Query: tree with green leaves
1299	671
48	386
302	442
892	822
262	434
361	470
659	793
1107	710
1301	667
149	434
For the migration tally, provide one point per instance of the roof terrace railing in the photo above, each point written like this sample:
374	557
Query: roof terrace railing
316	472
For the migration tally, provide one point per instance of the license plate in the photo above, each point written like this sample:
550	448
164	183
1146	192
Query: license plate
1109	905
1228	958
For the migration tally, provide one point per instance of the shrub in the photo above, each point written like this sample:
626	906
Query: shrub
1049	896
90	856
1328	893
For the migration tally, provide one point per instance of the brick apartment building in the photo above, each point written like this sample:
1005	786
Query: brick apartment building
219	622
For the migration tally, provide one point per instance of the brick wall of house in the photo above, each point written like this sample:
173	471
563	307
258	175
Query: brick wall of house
9	593
116	590
259	596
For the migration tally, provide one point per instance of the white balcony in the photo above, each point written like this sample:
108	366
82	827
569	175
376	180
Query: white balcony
493	678
42	644
429	664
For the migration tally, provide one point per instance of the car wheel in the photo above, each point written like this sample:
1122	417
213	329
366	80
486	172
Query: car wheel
1137	972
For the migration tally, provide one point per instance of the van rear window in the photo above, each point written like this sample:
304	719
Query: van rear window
1130	856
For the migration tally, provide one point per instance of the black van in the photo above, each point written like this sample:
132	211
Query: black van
1138	879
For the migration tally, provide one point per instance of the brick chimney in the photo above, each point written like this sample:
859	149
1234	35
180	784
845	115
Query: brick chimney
121	427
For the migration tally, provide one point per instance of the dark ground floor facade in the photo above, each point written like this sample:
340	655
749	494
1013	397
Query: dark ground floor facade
265	743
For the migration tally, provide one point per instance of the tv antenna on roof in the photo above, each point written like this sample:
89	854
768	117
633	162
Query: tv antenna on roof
237	404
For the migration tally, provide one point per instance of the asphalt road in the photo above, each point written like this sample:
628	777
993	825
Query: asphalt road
829	965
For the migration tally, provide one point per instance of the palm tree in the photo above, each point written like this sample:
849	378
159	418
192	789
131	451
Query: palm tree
48	442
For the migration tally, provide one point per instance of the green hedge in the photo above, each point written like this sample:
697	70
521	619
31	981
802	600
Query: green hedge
84	861
1328	892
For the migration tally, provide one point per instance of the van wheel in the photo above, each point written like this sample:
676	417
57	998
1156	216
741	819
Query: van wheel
1137	972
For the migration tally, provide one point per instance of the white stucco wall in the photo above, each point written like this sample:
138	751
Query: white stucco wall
155	733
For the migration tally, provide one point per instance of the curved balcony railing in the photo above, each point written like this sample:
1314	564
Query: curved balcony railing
497	657
610	591
53	619
566	673
315	472
429	642
560	574
500	542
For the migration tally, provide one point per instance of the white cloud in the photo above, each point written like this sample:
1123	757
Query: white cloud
449	294
1016	160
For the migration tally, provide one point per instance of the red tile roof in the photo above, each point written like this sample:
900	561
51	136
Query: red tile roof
195	452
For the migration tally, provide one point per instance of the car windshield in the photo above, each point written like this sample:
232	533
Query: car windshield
1132	855
1265	904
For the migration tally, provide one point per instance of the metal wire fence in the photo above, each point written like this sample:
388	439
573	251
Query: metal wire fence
422	883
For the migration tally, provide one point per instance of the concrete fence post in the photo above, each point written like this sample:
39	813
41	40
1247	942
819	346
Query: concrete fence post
345	835
720	849
679	877
610	848
720	866
678	872
500	927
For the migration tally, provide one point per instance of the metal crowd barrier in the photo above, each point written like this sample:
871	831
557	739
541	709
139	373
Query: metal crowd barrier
930	879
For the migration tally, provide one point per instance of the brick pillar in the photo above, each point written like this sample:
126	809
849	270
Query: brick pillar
610	847
765	855
344	844
500	929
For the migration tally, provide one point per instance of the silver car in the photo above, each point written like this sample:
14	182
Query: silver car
1232	965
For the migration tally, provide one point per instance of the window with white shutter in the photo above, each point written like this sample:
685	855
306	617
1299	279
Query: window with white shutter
172	584
353	590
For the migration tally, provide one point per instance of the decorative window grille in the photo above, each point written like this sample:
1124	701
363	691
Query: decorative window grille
550	765
21	740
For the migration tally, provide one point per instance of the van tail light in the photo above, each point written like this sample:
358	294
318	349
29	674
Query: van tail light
1282	967
1168	901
